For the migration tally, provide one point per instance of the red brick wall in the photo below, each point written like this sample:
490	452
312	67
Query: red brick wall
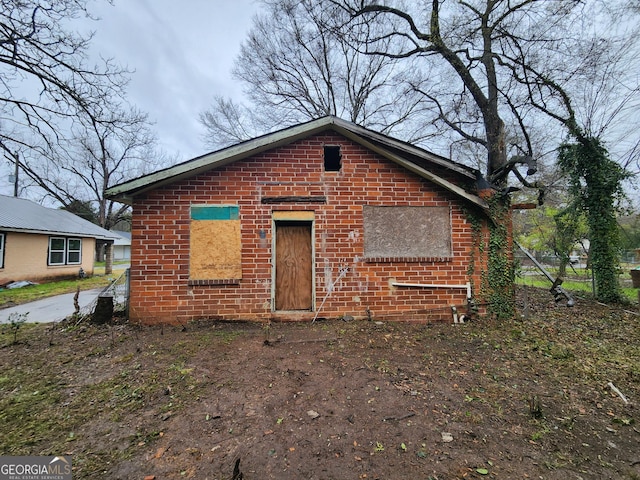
160	290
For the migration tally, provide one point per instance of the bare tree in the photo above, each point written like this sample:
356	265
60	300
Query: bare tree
97	157
295	68
510	64
46	81
227	122
64	121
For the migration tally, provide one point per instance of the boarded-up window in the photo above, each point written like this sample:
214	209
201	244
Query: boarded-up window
407	232
215	243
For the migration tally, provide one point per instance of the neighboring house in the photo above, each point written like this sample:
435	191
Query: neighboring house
39	243
122	246
323	219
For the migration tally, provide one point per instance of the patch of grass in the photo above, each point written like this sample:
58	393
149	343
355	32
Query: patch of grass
22	295
582	286
43	408
542	429
227	336
27	412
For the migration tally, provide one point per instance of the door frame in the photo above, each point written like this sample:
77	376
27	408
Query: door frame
304	218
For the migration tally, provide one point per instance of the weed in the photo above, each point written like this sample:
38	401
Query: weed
540	432
623	421
16	321
382	366
535	409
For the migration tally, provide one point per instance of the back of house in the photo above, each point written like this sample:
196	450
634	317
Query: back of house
325	219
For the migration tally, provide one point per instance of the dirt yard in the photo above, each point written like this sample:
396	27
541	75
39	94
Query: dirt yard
332	400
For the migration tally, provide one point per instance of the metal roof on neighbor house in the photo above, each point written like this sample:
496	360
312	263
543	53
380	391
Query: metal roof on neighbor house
124	237
20	215
395	150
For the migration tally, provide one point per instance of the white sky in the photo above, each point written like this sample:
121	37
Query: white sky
182	53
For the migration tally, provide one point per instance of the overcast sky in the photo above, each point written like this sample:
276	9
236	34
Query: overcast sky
182	53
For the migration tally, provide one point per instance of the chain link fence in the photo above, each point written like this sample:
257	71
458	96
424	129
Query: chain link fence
118	289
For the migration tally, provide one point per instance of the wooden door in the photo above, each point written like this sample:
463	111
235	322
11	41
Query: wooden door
294	266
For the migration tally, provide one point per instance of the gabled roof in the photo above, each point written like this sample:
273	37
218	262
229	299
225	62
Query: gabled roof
124	237
20	215
402	153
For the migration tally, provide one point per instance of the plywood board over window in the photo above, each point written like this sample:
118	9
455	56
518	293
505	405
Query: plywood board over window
215	245
407	232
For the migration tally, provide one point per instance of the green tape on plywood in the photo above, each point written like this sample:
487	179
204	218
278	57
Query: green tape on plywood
215	212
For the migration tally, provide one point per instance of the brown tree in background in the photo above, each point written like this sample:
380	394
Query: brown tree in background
295	67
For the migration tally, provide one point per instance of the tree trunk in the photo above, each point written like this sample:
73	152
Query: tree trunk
108	260
104	310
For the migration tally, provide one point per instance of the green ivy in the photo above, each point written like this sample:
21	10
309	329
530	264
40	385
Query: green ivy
595	187
497	282
500	272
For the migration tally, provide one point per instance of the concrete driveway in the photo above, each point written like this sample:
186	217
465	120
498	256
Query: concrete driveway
51	309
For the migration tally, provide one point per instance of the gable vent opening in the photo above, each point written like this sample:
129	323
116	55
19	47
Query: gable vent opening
332	158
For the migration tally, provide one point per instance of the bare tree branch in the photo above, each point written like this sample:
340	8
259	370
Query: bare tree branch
46	81
296	68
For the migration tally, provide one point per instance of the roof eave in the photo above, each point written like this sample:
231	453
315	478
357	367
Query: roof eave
417	169
125	192
406	147
56	232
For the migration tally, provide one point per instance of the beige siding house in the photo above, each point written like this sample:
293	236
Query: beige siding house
39	243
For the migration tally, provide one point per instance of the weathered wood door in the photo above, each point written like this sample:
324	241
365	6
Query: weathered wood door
294	266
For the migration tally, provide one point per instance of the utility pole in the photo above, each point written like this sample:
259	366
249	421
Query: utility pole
16	160
15	177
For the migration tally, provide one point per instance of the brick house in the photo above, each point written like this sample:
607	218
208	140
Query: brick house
323	219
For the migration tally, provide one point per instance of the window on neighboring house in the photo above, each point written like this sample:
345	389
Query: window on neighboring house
56	250
74	251
65	251
332	158
1	250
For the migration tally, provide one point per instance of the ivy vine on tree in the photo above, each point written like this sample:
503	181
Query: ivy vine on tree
595	187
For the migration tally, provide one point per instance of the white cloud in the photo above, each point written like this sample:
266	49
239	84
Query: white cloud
182	54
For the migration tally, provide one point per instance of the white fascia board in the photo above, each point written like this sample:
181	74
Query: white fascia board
418	170
58	233
126	191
